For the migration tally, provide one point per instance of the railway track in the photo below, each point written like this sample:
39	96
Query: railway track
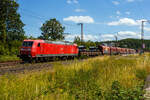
21	67
10	63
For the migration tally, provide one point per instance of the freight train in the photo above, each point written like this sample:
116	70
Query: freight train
43	50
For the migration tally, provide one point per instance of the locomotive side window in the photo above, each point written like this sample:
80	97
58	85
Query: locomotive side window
27	44
38	44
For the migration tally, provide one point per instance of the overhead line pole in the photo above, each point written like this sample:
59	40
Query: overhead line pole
116	38
142	35
81	31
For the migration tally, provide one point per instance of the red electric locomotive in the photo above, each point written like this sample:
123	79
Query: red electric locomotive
43	49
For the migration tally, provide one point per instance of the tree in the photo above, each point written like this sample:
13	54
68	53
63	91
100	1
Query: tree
11	26
52	30
77	40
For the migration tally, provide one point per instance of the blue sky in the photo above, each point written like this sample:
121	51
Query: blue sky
102	18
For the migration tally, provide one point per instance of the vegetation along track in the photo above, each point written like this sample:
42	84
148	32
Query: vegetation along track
21	67
10	63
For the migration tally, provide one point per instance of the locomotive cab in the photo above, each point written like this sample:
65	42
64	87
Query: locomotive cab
26	49
29	49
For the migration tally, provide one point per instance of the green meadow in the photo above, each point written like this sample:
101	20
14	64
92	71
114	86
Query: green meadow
99	78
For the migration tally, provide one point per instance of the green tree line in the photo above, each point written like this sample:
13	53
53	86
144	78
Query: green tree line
11	27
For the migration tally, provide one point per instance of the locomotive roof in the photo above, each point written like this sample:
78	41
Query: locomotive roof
53	42
34	40
59	42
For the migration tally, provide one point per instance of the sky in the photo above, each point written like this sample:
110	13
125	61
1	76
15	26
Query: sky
102	19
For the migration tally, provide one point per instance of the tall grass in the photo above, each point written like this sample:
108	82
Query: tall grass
100	78
4	58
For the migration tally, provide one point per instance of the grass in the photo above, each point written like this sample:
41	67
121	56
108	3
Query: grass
4	58
100	78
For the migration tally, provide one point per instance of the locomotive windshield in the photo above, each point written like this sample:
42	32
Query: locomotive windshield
27	44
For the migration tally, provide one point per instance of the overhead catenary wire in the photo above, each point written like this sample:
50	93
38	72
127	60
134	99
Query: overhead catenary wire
36	16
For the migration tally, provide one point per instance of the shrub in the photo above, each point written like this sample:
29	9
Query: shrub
118	92
141	74
78	84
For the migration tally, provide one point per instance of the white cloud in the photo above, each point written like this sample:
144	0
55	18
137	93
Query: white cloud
72	1
128	13
79	10
117	16
146	28
80	19
87	37
69	1
107	35
75	1
130	0
127	33
115	2
146	37
125	21
118	13
121	35
134	1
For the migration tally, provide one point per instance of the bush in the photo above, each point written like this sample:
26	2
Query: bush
117	92
11	48
78	84
14	47
141	74
3	49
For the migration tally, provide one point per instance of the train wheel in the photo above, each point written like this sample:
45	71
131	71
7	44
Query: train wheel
32	60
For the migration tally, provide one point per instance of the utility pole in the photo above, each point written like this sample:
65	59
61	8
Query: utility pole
116	38
81	31
142	35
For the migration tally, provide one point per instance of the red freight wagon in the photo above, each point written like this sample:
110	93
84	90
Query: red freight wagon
104	49
36	49
123	51
113	50
133	51
130	51
118	50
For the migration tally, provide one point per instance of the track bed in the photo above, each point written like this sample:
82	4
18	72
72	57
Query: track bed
21	67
